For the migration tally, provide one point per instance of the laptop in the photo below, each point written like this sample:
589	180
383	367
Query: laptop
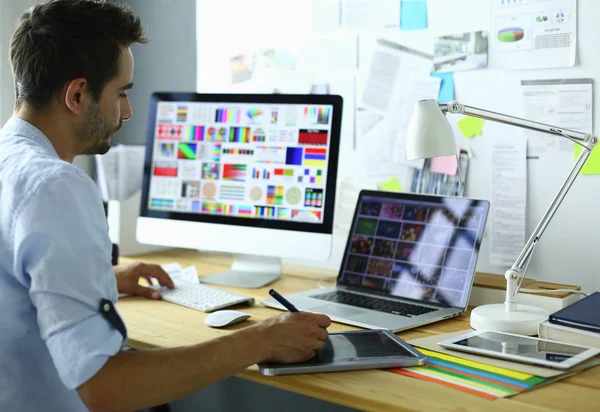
409	260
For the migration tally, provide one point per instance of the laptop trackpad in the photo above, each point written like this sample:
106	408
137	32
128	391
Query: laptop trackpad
336	310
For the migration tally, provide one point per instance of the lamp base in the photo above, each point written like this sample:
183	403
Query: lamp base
524	320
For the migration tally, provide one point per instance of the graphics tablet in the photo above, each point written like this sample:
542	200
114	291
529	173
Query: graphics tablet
361	349
519	348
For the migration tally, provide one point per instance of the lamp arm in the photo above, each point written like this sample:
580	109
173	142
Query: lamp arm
587	141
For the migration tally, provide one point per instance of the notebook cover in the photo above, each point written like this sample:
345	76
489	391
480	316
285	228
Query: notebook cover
583	314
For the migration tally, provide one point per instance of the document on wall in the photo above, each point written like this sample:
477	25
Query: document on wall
119	172
509	198
368	13
566	103
391	65
535	34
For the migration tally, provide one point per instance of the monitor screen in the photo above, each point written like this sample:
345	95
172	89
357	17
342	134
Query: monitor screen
252	160
415	246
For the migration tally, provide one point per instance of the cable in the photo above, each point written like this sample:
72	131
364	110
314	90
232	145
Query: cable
578	292
320	283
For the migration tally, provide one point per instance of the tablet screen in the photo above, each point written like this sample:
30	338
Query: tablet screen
350	347
520	346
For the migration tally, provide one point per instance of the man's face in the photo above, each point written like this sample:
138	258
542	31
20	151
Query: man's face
103	118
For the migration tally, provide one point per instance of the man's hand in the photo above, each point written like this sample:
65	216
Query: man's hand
128	277
294	337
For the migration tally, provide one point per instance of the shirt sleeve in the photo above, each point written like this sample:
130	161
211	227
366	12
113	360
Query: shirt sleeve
63	255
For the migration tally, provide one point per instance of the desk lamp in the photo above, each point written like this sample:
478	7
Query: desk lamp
430	135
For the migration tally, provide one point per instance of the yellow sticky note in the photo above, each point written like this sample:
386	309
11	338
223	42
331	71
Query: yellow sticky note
392	185
592	166
470	126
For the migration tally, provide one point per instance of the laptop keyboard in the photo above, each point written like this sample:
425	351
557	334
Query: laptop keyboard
373	303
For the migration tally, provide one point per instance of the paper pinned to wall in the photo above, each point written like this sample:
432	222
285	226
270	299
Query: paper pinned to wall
509	200
471	126
565	103
326	15
535	35
447	86
413	14
391	65
368	13
119	172
347	195
329	51
415	87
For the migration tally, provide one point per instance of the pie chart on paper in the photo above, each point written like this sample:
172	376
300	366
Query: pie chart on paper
511	34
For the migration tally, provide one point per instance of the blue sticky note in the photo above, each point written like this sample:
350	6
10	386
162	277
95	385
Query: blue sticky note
413	15
447	87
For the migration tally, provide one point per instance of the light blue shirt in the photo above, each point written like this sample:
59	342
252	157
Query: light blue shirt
55	268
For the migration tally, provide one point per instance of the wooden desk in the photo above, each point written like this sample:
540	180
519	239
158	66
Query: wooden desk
154	324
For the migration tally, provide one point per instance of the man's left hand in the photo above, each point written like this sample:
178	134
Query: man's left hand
128	277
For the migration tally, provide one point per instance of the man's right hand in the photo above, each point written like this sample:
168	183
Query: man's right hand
293	337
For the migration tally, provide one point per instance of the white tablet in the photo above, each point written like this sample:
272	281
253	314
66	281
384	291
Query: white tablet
520	348
360	349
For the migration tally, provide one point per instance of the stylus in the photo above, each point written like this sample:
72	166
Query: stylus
283	301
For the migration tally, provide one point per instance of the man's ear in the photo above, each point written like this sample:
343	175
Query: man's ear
76	94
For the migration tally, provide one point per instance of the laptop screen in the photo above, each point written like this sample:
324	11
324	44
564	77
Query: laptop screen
415	246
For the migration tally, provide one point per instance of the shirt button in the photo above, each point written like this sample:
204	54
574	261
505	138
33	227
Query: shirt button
106	307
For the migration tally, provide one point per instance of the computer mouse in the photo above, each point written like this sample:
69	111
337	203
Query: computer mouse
222	318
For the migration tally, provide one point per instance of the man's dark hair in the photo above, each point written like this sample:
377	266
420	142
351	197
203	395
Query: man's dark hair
62	40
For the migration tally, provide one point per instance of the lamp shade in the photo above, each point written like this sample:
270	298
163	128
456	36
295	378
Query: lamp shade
429	133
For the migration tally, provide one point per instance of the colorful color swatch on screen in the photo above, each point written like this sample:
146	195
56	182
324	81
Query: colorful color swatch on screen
230	210
316	157
167	149
245	211
275	195
313	197
288	173
187	151
230	192
313	137
294	156
210	171
212	207
238	152
274	116
264	211
264	174
253	113
216	134
196	206
162	203
239	134
195	133
234	172
182	113
228	116
167	131
298	212
165	169
284	213
190	189
259	135
318	115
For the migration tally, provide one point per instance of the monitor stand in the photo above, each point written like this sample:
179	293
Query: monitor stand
248	271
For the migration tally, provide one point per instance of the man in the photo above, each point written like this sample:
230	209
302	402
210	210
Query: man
60	335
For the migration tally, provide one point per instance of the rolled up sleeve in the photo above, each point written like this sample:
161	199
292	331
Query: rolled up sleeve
63	255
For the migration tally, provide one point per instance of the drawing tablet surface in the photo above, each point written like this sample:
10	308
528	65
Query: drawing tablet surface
361	349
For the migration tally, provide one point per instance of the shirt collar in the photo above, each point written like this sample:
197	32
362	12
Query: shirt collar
23	127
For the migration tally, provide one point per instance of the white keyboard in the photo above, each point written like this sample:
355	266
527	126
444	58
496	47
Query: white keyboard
201	297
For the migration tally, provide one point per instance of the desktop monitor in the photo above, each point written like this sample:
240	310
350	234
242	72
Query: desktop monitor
248	174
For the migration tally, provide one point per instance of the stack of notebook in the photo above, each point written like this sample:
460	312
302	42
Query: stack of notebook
578	323
488	378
